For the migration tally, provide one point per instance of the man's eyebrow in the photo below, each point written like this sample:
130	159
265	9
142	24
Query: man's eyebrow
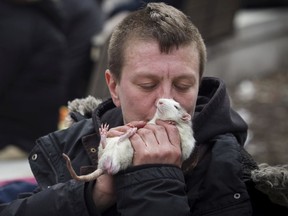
146	75
186	76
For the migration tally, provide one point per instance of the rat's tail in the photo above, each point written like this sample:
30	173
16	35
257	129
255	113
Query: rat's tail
90	177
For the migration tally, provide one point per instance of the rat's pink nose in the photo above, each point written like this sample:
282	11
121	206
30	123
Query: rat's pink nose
160	102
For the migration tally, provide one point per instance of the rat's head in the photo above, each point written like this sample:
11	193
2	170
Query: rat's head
169	109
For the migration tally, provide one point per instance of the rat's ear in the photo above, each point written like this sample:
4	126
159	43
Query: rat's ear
112	85
186	117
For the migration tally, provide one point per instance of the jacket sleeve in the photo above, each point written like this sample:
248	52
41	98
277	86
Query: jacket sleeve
60	199
152	190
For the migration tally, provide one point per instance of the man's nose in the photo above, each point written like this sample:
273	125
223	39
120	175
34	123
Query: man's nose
166	92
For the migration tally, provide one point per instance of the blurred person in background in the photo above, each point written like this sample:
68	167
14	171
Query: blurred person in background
83	20
44	61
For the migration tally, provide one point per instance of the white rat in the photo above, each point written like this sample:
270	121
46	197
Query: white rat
116	153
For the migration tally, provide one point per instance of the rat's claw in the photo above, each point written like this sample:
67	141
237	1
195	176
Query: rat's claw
128	134
104	129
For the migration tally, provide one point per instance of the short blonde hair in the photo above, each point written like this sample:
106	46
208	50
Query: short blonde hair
157	21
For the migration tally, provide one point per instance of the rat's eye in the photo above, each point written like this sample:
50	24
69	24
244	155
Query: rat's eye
176	107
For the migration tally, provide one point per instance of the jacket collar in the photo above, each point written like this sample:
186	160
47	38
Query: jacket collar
107	113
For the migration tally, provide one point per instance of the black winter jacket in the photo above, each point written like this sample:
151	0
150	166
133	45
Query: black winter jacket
219	185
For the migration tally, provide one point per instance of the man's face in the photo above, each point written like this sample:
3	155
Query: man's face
148	75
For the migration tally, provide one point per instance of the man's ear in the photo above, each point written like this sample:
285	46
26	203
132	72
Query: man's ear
112	85
186	117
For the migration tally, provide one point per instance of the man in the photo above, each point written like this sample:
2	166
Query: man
154	53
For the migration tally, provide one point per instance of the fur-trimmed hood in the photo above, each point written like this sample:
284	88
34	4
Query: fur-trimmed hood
83	106
273	181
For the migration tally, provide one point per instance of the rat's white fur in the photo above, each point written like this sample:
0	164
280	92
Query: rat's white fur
116	153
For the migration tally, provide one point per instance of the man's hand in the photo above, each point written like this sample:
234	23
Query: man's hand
103	192
157	144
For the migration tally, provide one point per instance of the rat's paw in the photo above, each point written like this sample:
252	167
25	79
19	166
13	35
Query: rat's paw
130	132
103	130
